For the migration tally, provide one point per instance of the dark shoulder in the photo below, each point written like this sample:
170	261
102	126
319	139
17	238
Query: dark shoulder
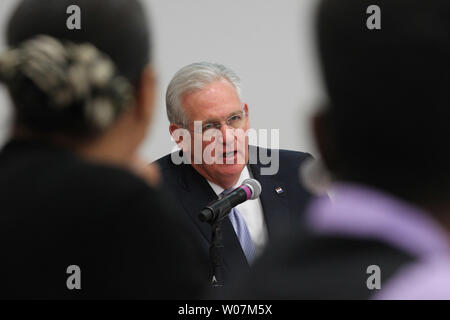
114	190
54	177
165	161
292	160
294	155
23	162
283	163
321	267
171	163
287	155
86	176
172	167
109	177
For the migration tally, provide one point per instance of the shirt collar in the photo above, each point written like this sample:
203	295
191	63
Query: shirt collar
367	213
245	174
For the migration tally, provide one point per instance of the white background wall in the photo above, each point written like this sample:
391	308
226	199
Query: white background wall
268	43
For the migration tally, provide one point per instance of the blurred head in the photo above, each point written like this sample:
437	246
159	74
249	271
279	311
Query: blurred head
204	99
84	84
387	123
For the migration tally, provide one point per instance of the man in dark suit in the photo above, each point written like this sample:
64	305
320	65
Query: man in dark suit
203	102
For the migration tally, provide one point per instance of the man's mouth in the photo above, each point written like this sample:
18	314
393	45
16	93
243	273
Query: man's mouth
229	154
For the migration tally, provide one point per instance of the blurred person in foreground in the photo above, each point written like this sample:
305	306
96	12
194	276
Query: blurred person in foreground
384	139
72	194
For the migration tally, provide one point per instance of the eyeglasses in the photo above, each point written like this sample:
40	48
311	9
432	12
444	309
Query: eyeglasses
235	121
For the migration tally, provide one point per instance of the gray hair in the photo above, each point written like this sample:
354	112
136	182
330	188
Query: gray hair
194	77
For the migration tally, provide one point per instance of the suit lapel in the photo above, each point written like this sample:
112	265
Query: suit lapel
275	204
196	193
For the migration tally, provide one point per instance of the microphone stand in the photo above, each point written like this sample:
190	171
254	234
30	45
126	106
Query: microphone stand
215	252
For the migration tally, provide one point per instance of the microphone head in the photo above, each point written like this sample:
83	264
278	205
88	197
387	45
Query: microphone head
254	186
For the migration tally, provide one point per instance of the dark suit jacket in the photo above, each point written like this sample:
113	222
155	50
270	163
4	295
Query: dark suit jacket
58	210
191	192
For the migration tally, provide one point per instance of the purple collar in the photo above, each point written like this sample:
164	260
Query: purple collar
359	211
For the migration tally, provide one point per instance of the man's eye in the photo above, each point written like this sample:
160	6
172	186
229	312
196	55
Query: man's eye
208	126
235	118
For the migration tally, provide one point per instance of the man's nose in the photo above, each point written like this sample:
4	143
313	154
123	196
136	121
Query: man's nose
227	134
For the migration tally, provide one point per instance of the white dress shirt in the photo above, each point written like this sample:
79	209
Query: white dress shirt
251	211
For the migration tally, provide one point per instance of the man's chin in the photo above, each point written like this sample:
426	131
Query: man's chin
229	169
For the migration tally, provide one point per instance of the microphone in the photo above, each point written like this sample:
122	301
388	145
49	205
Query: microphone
220	208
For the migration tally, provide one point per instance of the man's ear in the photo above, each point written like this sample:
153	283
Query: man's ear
321	123
146	94
246	108
178	136
247	120
172	128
